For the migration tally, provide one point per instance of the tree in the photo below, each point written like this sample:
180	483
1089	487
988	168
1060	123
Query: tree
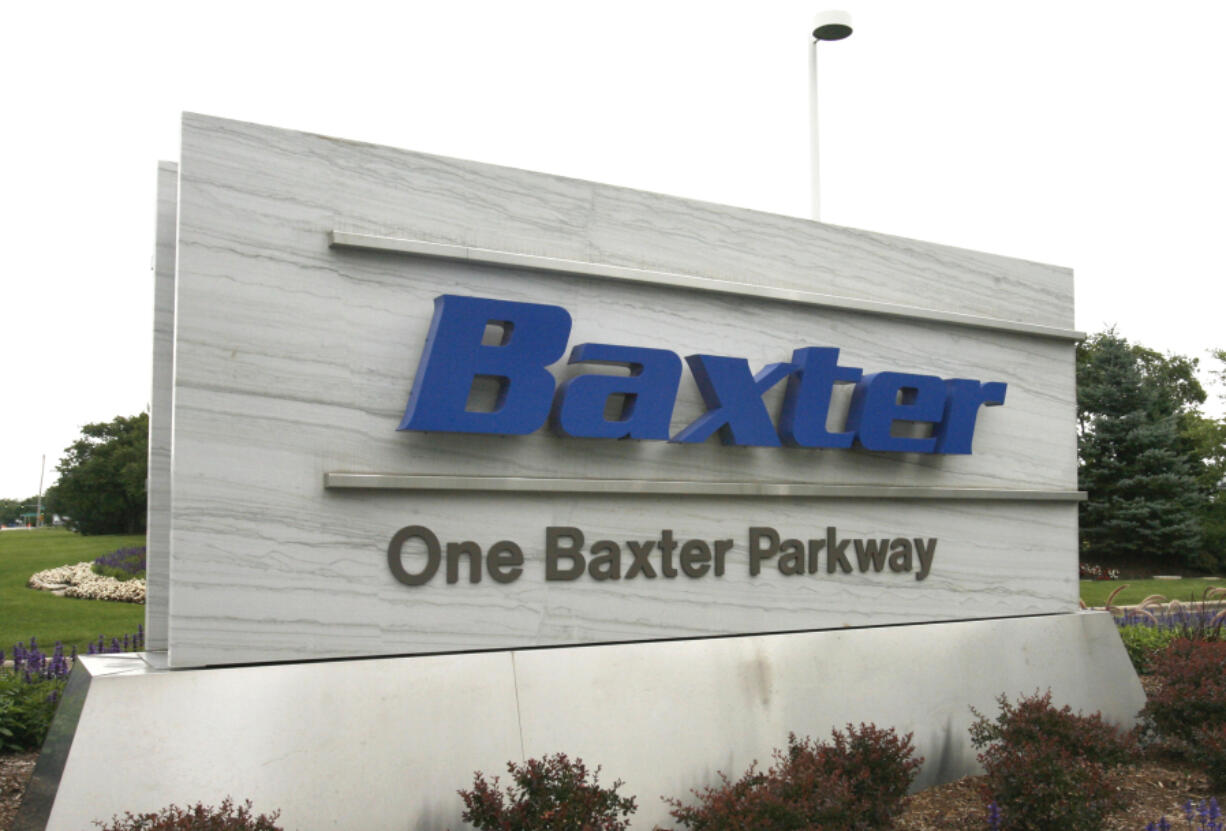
102	477
1144	500
10	510
17	510
1208	436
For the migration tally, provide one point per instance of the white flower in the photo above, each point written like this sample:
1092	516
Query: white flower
80	581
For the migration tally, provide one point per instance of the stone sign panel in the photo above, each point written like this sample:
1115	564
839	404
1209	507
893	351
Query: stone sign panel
424	405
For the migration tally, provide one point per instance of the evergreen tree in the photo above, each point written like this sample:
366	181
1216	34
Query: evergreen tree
1144	499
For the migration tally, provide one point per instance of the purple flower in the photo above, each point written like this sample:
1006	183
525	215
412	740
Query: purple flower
128	560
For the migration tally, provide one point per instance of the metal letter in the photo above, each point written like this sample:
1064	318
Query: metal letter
649	393
758	554
504	561
734	401
806	404
963	397
695	558
641	551
882	398
433	555
534	336
553	551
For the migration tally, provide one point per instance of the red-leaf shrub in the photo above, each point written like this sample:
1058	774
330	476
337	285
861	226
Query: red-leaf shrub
1192	691
856	783
1046	768
1034	720
550	794
199	817
1208	749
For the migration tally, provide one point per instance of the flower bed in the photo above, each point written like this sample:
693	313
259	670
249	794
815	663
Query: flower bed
80	581
1089	571
123	564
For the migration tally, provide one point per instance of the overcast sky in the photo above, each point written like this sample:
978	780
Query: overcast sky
1086	134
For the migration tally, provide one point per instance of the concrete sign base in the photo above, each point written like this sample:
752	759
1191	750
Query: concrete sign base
384	743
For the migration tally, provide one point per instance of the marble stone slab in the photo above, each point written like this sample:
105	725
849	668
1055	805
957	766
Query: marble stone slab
293	359
385	743
157	551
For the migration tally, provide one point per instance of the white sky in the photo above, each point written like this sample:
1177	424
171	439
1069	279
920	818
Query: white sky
1086	134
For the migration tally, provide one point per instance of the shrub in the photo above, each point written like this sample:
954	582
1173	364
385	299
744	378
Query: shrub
26	709
1143	643
29	693
550	794
1034	720
856	782
1046	768
1191	694
1208	750
225	817
31	688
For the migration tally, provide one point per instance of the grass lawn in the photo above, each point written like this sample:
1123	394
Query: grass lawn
25	612
1094	592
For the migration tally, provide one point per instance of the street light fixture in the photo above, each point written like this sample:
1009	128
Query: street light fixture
827	25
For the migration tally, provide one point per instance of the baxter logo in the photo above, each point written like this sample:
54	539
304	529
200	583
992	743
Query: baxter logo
534	336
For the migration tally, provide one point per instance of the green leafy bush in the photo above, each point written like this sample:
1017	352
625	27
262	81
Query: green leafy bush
550	794
1046	768
855	783
1143	643
26	710
225	817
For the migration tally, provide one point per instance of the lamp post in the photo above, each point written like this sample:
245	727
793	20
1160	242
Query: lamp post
38	518
828	25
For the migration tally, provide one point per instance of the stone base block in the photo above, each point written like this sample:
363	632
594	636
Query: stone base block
385	743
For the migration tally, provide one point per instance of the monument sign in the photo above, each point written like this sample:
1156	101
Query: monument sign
415	419
424	405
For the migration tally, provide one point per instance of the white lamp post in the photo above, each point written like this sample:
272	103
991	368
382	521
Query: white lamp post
828	25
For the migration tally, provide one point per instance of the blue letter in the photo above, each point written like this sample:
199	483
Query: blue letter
734	401
882	398
806	403
534	335
963	398
649	393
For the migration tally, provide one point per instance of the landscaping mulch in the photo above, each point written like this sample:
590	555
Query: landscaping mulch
1147	791
15	771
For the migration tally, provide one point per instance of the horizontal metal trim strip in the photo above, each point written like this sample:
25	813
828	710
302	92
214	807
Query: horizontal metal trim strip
489	256
523	484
